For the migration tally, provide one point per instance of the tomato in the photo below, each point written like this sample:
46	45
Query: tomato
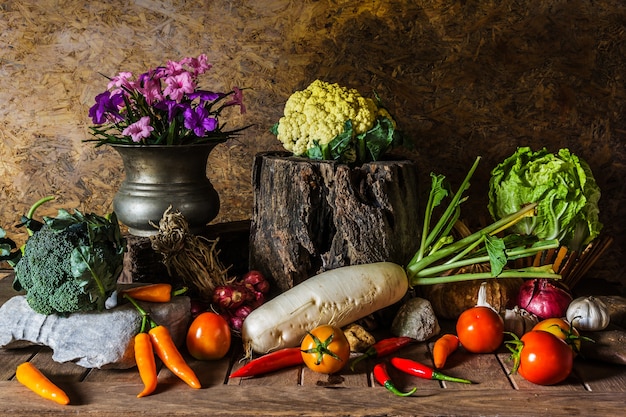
562	329
325	349
480	329
208	336
542	358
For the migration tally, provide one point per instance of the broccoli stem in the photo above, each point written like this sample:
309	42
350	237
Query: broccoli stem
34	207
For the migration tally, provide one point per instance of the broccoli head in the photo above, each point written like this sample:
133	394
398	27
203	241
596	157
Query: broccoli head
71	263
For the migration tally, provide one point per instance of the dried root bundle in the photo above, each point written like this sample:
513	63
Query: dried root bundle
192	258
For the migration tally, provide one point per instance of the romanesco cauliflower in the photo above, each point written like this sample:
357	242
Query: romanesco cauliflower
327	121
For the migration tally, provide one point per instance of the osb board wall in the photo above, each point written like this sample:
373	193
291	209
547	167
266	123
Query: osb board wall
463	78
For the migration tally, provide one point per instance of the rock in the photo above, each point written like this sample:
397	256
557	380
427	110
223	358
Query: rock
416	319
90	339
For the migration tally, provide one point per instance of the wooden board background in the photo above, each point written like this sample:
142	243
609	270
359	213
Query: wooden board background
463	78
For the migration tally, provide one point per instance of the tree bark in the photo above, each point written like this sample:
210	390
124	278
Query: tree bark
311	216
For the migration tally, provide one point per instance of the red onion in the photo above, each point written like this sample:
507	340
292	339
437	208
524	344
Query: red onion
259	299
256	281
243	311
229	297
543	298
197	307
235	323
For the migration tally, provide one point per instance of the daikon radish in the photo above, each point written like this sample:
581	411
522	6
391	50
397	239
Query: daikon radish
337	297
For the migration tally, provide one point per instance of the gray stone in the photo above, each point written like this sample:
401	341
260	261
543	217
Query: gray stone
91	339
416	319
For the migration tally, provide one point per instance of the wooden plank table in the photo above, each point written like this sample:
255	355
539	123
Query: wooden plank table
593	389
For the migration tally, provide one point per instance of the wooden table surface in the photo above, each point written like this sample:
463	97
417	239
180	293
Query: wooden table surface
593	389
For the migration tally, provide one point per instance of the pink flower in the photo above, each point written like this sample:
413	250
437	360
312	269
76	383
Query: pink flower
174	68
178	85
151	91
198	65
139	130
123	79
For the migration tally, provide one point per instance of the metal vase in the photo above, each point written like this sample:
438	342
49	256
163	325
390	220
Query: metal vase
160	176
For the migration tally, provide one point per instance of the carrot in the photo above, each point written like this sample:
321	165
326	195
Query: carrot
144	356
166	350
444	347
31	377
156	293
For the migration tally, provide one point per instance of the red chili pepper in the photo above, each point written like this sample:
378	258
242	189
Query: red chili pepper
382	377
382	348
422	371
271	362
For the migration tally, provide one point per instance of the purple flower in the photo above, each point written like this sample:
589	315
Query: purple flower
237	100
178	85
199	120
139	130
172	107
204	95
106	107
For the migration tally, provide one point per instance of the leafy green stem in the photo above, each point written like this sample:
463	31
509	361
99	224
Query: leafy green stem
515	253
414	267
447	219
545	271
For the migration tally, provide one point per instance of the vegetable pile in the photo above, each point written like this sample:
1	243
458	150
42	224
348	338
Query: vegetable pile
341	296
70	262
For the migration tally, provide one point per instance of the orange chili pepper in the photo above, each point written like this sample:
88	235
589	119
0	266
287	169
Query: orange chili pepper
166	350
444	347
156	293
144	356
31	377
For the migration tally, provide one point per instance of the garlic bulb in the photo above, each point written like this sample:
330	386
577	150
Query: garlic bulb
519	321
588	313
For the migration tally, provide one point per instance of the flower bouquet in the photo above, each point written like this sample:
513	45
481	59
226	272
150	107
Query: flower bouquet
163	106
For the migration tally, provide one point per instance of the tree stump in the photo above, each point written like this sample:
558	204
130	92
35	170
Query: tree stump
311	216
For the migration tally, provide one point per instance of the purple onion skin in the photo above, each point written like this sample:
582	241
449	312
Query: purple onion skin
544	298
